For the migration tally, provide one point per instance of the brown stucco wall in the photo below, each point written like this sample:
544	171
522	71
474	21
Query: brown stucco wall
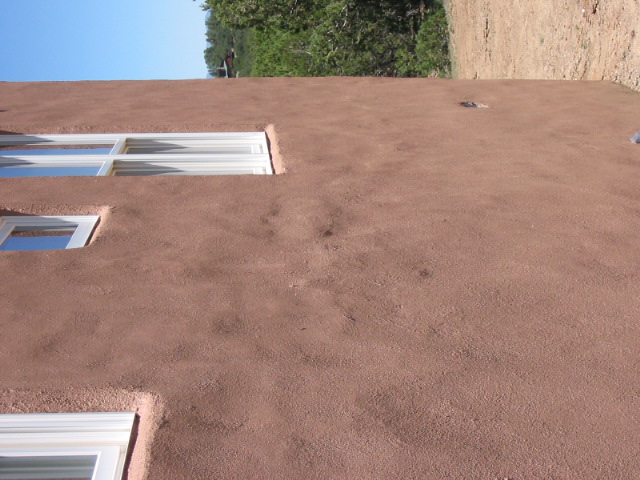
428	291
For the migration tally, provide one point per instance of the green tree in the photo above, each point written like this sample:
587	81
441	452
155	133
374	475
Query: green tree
292	15
221	39
280	53
342	37
432	45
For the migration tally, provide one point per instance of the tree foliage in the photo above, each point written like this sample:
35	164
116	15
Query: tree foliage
341	37
280	53
221	39
432	45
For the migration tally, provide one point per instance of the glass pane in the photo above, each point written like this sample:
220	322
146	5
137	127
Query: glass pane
22	239
41	171
48	468
181	148
55	150
175	171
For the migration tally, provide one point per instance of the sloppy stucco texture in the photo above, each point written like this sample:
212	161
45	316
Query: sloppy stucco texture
563	39
429	291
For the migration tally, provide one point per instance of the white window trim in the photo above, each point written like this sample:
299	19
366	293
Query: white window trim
118	161
84	225
104	434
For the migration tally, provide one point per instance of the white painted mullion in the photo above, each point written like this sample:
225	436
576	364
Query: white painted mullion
109	464
119	147
89	139
83	231
264	145
5	230
48	221
216	136
62	422
106	169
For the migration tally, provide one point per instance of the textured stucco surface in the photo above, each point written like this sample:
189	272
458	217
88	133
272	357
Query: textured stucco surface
429	291
563	39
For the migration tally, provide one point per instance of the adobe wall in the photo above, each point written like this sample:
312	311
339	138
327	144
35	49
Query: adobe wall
428	291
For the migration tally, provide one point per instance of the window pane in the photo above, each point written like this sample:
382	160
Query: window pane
121	172
182	148
40	171
55	150
30	240
48	468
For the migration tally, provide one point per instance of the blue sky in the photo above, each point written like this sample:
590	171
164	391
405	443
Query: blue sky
101	40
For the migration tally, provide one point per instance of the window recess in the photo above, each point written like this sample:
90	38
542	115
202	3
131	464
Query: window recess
61	446
234	153
27	233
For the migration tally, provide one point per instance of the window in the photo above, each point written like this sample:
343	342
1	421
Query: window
233	153
61	446
45	233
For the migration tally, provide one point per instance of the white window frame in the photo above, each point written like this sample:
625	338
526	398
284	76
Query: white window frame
83	224
118	161
105	435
